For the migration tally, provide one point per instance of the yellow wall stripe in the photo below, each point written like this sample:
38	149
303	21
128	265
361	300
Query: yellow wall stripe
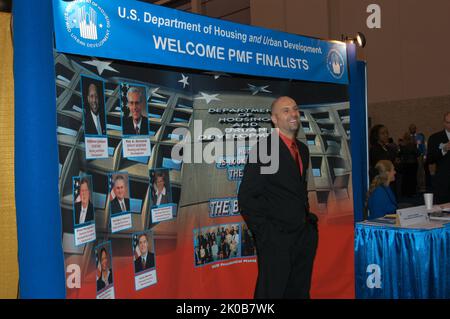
9	272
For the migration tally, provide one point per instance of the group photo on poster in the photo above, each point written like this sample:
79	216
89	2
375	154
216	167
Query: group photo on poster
217	243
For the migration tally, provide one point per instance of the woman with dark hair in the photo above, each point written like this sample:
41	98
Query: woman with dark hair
380	198
381	149
105	274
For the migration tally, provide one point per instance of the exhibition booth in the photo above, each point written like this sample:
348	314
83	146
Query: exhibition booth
107	209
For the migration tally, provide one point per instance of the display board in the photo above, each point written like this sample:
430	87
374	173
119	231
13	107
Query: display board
142	218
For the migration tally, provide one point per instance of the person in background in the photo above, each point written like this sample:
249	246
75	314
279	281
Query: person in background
380	198
409	165
382	148
215	251
419	139
439	156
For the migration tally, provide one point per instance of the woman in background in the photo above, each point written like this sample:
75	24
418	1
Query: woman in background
380	198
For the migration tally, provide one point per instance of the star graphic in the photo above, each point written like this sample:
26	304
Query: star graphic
101	65
184	80
153	93
256	89
208	97
217	74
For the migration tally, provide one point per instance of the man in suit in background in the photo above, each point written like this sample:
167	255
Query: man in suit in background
84	210
275	208
147	259
438	154
94	116
136	123
120	204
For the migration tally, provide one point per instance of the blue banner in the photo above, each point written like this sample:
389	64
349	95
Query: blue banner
141	32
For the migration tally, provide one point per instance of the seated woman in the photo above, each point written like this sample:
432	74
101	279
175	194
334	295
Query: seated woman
380	198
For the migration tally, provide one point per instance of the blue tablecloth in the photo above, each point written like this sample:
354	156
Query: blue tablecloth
393	262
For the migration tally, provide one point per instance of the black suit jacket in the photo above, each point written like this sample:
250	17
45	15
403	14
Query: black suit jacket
101	284
89	213
149	263
280	199
89	126
434	156
115	206
164	199
276	210
128	126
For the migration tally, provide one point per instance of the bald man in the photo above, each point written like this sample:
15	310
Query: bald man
94	116
276	210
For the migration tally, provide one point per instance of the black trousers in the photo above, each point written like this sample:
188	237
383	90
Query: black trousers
409	179
285	264
441	187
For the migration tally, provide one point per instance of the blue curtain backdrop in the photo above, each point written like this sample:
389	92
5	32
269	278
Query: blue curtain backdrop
413	263
41	263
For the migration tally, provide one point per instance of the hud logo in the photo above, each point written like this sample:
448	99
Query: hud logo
335	64
87	23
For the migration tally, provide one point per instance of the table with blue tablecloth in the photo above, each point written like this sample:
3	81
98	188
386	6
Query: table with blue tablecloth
394	262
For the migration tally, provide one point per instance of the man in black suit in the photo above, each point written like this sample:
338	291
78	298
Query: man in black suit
438	154
136	123
273	200
84	210
147	259
94	116
120	204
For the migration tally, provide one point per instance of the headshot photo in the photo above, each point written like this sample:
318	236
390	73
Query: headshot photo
119	193
144	256
104	268
94	118
82	193
160	191
134	111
